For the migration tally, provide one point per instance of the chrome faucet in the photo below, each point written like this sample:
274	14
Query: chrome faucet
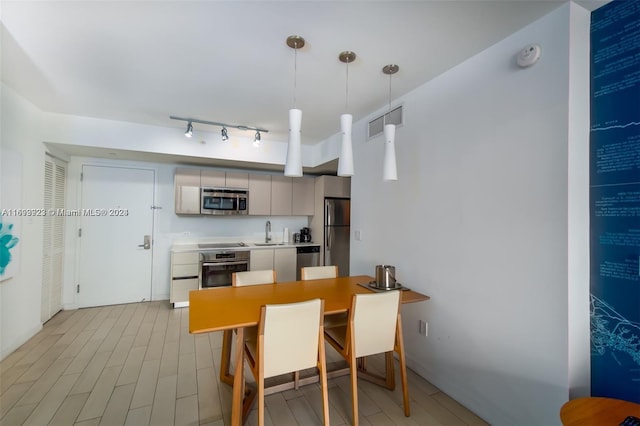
267	232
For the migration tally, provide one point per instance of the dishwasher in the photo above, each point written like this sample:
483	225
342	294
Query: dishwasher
307	256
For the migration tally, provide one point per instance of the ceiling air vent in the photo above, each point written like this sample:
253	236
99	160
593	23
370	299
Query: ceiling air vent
376	126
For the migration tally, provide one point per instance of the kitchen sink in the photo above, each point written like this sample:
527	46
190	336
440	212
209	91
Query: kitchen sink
268	244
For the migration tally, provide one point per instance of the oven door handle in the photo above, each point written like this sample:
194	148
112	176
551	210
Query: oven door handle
224	263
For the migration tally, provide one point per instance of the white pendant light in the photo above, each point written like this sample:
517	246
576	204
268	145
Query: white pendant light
293	165
389	167
345	162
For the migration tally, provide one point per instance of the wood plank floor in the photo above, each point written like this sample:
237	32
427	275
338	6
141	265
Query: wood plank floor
137	364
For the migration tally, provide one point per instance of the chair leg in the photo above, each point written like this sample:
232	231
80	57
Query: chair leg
322	367
353	366
403	368
261	400
296	380
390	376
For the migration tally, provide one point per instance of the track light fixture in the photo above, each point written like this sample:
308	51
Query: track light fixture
256	138
225	134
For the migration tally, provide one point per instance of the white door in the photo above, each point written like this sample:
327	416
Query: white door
115	235
55	173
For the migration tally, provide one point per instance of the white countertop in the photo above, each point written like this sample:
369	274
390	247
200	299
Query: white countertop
195	246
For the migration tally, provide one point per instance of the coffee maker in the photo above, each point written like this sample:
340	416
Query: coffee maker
305	235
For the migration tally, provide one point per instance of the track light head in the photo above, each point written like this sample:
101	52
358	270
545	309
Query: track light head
225	135
189	131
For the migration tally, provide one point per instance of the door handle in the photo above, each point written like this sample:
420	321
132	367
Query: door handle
147	242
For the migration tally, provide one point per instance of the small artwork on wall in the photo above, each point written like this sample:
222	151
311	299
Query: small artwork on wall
7	242
10	207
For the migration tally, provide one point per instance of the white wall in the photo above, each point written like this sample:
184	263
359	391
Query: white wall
478	220
578	214
20	296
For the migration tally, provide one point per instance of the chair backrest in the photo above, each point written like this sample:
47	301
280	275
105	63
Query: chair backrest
291	334
267	276
318	272
374	319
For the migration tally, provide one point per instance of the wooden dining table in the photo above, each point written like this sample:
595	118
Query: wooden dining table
597	411
234	308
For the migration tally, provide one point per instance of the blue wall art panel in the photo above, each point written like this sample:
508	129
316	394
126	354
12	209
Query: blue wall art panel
615	200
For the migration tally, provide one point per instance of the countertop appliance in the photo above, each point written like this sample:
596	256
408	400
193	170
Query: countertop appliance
337	233
217	266
307	256
305	235
224	201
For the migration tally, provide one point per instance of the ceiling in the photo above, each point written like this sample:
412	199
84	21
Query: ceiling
227	61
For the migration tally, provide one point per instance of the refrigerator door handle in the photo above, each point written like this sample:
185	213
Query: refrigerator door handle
328	221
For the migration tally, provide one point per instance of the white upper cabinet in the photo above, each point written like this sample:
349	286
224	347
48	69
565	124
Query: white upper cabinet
237	180
303	196
335	186
259	195
221	179
212	178
187	191
281	193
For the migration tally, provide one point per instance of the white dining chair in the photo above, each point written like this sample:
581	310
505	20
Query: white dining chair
290	338
374	327
239	279
265	276
318	272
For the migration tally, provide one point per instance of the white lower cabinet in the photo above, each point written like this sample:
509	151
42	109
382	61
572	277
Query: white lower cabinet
283	260
184	277
261	259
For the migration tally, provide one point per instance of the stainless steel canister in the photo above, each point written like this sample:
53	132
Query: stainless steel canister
385	276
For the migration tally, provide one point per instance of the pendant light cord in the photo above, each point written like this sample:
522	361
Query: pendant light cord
346	103
295	72
390	92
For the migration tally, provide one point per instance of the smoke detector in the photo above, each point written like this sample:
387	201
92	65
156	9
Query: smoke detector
529	55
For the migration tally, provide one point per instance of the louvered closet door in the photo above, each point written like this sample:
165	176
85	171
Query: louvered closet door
55	175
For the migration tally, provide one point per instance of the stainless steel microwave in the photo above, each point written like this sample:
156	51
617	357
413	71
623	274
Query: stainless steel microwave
223	201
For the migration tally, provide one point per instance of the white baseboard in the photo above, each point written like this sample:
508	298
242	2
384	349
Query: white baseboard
19	341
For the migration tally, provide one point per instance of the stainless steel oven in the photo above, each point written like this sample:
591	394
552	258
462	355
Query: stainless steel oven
223	201
216	267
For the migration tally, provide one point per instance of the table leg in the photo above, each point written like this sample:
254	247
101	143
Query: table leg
238	380
225	362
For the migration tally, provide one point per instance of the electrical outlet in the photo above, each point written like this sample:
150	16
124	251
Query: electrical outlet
423	327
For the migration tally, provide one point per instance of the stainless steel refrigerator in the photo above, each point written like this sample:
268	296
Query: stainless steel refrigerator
337	232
